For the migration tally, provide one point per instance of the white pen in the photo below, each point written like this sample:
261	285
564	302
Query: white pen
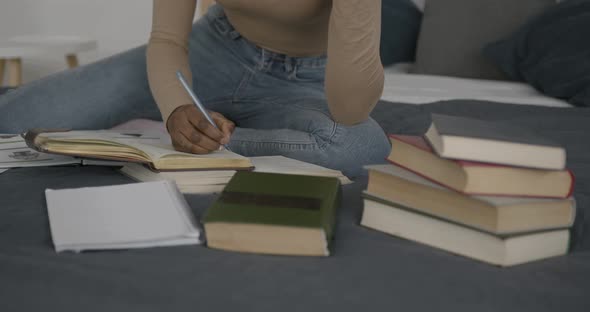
197	102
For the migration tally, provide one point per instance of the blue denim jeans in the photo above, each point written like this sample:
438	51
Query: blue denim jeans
276	101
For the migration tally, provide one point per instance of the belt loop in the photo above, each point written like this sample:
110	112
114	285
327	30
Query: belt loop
292	73
234	34
219	24
262	59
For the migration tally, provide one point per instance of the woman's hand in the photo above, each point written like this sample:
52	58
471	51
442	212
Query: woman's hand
192	133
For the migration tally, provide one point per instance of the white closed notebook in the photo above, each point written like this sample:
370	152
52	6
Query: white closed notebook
138	215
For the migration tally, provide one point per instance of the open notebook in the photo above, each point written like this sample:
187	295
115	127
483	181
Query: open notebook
125	216
131	146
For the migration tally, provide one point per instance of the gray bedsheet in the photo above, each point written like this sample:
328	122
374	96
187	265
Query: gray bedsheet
368	270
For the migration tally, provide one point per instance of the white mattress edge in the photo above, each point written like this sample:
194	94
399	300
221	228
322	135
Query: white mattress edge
402	87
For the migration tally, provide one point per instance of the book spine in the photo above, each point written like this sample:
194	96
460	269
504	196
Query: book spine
570	192
425	176
572	183
31	135
501	235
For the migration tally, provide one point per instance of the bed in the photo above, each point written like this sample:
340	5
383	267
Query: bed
368	270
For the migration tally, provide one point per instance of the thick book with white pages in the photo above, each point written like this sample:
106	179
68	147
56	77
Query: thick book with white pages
213	181
493	142
138	215
498	250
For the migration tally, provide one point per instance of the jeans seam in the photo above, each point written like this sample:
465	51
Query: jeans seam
291	145
247	76
330	139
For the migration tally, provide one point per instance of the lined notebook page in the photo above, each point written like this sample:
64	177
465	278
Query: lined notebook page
120	216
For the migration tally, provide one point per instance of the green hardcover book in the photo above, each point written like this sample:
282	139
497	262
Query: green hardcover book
274	214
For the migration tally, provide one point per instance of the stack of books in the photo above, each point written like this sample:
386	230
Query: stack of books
145	157
492	192
268	204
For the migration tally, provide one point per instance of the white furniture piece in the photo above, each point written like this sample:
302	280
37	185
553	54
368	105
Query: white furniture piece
13	50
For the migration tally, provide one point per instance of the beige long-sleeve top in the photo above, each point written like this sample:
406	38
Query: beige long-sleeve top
348	31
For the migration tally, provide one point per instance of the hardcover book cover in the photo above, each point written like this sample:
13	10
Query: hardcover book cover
257	208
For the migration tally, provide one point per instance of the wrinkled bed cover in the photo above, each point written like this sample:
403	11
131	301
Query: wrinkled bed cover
404	87
367	271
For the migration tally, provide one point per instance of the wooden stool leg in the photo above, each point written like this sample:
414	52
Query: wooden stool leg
15	72
72	60
2	62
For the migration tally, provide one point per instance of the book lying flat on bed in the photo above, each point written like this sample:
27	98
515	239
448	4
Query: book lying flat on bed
213	181
397	220
131	147
478	140
273	213
125	216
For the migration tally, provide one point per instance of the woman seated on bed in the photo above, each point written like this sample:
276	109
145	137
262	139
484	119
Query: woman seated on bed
294	77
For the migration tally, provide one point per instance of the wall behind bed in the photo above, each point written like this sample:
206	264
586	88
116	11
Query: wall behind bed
116	24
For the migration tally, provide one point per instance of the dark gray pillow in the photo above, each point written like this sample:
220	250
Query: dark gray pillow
454	32
551	52
400	23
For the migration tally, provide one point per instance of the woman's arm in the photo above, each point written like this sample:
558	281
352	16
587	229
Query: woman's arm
167	52
354	73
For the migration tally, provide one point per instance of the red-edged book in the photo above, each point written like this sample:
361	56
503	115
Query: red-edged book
477	178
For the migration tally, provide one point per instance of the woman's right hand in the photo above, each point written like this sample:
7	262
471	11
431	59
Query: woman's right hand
192	133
